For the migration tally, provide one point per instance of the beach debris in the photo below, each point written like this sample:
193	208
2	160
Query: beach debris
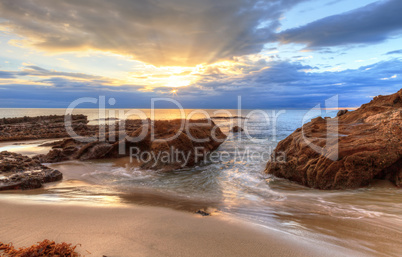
203	213
44	248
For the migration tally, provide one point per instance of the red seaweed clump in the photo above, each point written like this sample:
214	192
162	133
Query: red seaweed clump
44	248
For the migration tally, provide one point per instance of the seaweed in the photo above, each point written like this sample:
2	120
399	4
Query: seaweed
44	248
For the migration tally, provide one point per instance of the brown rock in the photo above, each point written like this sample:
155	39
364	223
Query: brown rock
368	147
182	148
341	112
170	145
237	129
26	128
22	172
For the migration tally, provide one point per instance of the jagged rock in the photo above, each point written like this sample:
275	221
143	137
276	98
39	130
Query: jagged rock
368	147
22	172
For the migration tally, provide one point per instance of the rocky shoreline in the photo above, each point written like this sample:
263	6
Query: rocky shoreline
182	144
368	147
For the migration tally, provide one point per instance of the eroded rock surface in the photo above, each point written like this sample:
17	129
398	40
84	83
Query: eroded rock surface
21	172
53	126
169	145
369	147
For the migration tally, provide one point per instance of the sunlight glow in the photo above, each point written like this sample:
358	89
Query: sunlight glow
177	81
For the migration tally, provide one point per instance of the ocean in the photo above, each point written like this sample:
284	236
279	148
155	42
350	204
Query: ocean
234	188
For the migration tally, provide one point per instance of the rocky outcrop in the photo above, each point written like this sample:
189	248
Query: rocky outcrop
368	147
341	112
22	172
237	129
162	145
26	128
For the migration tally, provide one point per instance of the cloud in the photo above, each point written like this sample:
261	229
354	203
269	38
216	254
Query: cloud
395	52
287	85
7	75
31	70
174	32
281	84
44	76
28	96
371	24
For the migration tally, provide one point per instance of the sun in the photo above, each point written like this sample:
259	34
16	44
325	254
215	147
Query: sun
174	92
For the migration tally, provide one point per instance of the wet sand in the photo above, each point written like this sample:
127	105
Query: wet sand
149	231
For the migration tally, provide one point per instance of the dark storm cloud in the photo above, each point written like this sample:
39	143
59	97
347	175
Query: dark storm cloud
174	32
373	23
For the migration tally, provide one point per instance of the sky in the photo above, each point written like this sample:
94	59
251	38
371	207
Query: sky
202	53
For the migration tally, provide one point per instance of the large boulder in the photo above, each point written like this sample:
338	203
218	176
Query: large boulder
368	147
21	172
169	145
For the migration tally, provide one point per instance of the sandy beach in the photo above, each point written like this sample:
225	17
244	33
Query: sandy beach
148	231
